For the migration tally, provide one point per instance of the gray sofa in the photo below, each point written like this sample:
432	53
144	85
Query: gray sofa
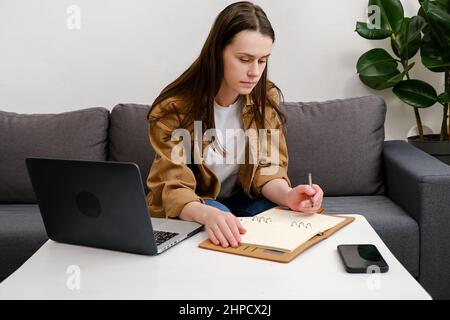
403	192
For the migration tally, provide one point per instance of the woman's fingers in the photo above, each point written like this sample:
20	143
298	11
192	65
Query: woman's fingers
240	227
231	222
306	207
212	237
318	197
305	189
305	204
219	235
317	200
226	231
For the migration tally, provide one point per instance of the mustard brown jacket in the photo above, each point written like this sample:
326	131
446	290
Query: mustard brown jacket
172	184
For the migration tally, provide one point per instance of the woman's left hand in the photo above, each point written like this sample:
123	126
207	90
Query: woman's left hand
299	198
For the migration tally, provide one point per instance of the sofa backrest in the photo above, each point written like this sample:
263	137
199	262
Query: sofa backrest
340	142
128	137
80	134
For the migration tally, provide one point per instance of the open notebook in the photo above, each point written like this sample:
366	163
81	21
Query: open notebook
280	234
285	230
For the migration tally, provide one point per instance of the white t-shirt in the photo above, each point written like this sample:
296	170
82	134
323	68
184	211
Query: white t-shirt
230	132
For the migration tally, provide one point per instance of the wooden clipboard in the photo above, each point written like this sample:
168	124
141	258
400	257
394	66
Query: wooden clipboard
273	255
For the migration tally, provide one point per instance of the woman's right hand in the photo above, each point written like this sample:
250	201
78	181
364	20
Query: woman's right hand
223	228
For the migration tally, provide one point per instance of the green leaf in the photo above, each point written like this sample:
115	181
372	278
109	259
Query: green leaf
438	18
434	57
416	93
376	62
395	79
371	34
444	4
435	64
399	77
391	14
444	98
407	41
435	48
382	82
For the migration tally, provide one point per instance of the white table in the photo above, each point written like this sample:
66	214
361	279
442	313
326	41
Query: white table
188	272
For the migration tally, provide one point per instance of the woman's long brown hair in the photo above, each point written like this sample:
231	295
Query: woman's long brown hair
200	83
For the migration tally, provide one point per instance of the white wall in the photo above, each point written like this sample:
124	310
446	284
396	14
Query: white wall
127	51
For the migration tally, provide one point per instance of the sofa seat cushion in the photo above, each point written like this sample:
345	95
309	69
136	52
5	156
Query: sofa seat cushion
22	230
395	227
80	134
22	233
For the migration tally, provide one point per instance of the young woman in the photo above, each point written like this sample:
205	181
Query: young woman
226	88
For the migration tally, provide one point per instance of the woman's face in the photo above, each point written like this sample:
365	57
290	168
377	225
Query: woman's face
244	60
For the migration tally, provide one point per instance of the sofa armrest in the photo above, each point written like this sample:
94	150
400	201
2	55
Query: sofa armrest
420	184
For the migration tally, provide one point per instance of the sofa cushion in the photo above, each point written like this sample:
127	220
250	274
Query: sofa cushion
22	233
340	142
80	134
398	230
128	136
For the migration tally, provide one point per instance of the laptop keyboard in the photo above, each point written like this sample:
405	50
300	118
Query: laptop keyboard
163	236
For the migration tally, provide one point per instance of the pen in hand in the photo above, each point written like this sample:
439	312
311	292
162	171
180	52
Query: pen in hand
310	184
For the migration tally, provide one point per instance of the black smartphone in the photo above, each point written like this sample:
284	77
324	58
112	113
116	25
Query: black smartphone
362	258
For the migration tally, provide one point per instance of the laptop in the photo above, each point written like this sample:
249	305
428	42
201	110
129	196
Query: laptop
101	204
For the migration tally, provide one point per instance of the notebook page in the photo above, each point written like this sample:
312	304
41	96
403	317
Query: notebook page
275	235
322	222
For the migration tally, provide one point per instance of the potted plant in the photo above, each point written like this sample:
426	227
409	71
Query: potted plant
427	32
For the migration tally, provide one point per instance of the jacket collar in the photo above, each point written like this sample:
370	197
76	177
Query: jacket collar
248	103
249	100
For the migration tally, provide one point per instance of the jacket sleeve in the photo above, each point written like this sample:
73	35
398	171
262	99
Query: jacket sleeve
171	183
273	163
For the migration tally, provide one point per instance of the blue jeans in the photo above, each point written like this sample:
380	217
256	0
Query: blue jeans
241	205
